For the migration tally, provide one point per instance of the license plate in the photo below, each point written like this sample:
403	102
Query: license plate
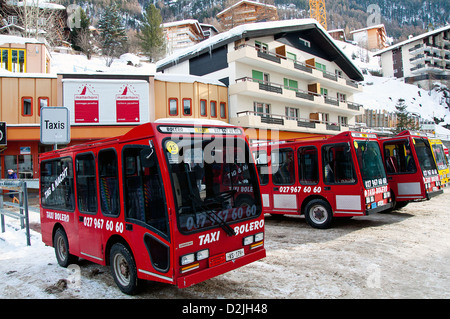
234	254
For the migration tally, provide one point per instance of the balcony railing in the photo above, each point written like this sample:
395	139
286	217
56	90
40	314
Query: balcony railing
274	57
301	94
301	122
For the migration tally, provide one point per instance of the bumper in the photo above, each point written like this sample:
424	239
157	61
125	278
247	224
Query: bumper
189	280
379	209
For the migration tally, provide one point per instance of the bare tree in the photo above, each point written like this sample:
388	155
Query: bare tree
40	20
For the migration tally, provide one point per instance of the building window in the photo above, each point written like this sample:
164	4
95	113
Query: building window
223	110
321	67
262	109
323	91
260	77
13	60
343	120
291	56
42	102
213	109
203	109
173	106
27	106
290	84
187	107
342	97
261	46
292	113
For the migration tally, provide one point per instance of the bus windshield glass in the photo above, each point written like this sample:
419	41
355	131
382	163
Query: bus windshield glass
370	163
439	154
426	160
214	182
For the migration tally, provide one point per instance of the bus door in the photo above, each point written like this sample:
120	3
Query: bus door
403	175
262	165
339	180
90	235
146	213
284	192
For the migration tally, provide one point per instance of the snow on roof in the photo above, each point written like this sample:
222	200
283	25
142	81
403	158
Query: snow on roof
244	1
6	39
42	4
378	26
184	22
186	78
236	31
421	36
239	32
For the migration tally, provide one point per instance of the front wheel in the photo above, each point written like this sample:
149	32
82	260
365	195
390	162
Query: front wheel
123	269
318	214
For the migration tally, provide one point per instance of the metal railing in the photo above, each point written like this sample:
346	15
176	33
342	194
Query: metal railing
14	188
301	94
275	57
269	118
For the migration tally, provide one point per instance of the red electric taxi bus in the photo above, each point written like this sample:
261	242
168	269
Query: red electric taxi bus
340	176
410	167
157	203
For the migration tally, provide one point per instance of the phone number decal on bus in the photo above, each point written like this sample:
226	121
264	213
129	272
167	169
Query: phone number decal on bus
298	189
99	223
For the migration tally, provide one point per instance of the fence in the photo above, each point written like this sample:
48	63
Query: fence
18	188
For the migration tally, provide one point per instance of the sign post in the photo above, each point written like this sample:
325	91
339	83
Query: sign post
55	125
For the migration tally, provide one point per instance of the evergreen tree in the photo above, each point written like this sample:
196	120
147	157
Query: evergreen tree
151	36
405	121
112	33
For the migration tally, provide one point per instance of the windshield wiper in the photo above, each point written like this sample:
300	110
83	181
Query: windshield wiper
212	215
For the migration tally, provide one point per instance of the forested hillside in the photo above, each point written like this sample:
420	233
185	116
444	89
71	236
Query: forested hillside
401	18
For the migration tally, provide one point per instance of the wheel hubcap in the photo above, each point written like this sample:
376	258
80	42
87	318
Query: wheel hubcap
318	214
122	270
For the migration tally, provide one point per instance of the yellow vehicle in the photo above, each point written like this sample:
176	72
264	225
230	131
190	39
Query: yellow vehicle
441	160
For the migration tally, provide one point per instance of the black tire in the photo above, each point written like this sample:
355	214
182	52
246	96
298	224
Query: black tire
318	214
62	250
123	269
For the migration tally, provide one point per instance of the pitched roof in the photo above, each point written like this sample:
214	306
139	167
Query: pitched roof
260	29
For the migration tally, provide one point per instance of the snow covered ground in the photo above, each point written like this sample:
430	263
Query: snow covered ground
403	254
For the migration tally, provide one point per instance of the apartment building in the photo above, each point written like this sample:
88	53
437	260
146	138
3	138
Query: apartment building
372	38
287	76
182	34
420	60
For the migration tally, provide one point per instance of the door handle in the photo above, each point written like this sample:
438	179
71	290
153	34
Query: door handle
81	218
276	188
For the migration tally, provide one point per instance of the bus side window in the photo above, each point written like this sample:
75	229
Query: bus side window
108	182
57	189
308	165
400	159
86	183
283	167
338	164
143	189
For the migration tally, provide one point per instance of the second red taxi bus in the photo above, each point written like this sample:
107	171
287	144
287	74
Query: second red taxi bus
410	167
340	176
173	203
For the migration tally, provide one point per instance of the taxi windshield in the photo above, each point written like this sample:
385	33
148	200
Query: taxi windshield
370	163
214	182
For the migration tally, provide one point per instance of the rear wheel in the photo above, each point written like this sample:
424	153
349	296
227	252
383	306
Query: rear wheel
318	214
123	269
62	252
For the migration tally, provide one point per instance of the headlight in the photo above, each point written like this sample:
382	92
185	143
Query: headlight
248	240
187	259
259	237
202	254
